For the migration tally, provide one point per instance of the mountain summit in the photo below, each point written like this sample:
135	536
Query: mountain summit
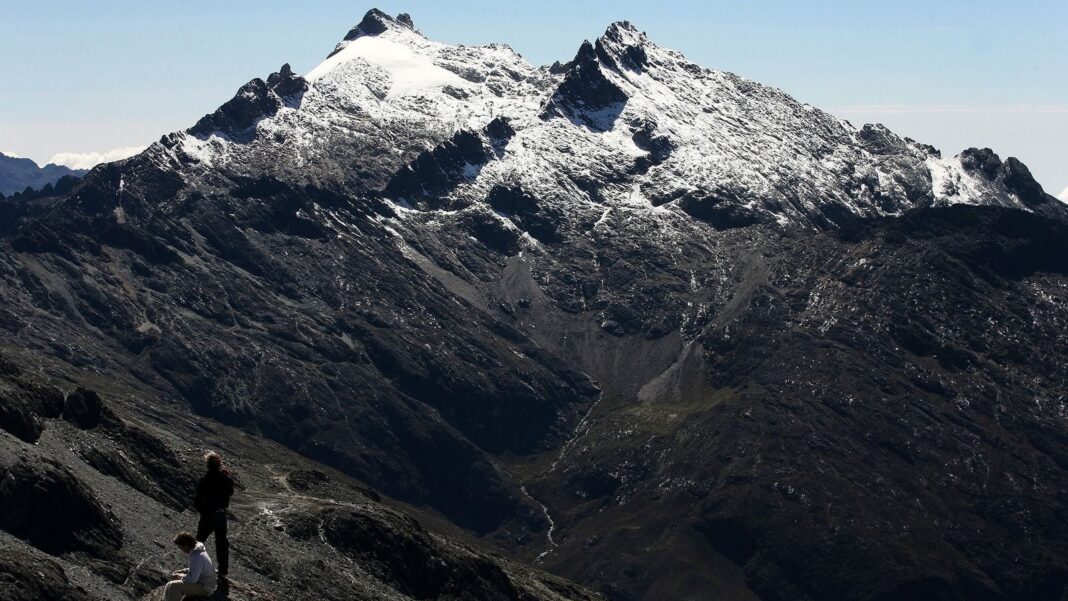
656	328
376	22
655	128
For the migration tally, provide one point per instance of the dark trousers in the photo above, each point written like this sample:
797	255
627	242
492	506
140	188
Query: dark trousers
215	523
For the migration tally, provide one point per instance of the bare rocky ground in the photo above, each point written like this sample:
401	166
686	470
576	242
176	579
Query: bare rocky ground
94	492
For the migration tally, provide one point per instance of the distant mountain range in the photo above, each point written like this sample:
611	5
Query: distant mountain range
17	174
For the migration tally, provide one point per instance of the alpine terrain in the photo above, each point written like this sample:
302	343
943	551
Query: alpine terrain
17	174
461	322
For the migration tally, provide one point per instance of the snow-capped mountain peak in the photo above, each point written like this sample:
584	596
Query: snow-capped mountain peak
409	66
624	122
376	22
623	46
394	45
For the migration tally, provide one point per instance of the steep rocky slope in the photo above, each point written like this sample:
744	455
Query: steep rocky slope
875	417
93	490
660	329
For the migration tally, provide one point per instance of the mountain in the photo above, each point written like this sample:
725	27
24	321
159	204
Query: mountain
624	123
658	329
17	174
94	490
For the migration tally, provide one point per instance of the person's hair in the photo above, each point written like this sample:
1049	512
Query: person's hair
213	460
185	539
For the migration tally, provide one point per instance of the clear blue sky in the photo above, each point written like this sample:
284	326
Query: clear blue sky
85	76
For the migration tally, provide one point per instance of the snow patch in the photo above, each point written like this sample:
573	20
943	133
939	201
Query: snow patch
198	149
950	184
409	72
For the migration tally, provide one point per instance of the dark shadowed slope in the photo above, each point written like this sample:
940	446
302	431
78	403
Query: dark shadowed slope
93	489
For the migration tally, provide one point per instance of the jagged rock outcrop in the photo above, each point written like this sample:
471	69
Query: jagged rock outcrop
253	102
24	407
45	504
435	173
585	95
84	409
287	84
25	577
1013	174
376	22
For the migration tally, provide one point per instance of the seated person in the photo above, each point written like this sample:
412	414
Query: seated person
199	579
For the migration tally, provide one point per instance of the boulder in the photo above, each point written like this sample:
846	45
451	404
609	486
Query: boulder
84	409
24	577
47	506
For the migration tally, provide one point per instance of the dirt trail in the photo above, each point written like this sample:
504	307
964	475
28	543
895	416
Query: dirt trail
268	501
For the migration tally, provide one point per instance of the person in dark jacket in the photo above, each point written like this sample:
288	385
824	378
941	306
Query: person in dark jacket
213	497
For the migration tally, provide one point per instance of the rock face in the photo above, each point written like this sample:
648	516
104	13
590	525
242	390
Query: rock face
665	330
47	506
586	95
400	552
24	577
24	406
819	422
255	101
436	172
84	409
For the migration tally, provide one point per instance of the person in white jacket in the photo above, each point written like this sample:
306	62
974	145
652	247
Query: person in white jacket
199	580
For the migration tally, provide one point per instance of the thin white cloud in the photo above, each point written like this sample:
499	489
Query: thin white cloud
88	160
8	153
1063	195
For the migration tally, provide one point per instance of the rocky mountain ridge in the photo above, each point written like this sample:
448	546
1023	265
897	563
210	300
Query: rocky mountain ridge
18	173
677	135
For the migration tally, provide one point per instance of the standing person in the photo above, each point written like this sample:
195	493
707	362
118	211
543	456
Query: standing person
199	579
213	497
